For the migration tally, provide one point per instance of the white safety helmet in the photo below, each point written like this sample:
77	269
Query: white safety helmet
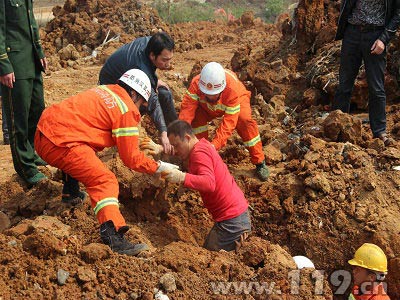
303	262
139	81
212	79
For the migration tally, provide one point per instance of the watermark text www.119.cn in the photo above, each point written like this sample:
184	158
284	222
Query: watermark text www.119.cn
341	279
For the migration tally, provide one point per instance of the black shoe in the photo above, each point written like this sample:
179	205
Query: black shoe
116	241
74	199
71	187
262	171
388	141
6	140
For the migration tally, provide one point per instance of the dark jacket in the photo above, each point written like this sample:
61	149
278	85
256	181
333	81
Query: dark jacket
20	49
133	56
392	19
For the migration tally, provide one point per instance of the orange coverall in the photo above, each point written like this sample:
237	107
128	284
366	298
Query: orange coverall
69	133
233	105
377	293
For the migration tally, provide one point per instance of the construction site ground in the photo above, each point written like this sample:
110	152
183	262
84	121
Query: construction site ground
332	187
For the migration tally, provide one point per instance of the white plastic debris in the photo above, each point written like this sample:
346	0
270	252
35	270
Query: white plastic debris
320	224
303	262
397	168
160	296
286	120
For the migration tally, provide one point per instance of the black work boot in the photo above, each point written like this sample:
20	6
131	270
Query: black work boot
71	193
6	140
116	241
262	171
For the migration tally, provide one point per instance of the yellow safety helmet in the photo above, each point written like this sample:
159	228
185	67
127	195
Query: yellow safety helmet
371	257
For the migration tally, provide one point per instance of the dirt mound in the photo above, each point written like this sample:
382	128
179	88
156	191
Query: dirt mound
330	174
57	251
245	30
330	185
304	64
87	24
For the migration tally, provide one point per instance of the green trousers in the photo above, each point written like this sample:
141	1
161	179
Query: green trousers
24	104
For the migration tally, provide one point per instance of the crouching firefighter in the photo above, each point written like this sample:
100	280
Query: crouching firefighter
217	92
71	132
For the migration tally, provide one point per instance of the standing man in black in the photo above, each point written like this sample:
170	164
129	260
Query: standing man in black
366	27
21	63
147	54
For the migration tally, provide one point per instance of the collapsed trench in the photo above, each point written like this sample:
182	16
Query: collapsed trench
166	214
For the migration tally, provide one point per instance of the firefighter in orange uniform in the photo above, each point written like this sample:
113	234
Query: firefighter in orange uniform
217	92
70	133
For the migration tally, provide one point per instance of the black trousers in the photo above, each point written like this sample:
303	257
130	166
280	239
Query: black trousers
4	126
356	48
167	105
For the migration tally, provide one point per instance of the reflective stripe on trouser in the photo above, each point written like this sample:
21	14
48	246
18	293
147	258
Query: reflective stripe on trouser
199	123
246	127
81	163
23	105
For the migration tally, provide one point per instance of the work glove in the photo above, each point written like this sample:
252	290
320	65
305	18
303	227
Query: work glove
164	166
174	176
151	147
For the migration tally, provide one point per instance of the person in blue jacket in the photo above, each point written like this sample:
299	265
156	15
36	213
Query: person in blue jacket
147	54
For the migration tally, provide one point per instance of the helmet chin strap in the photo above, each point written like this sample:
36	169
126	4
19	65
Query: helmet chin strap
380	276
134	96
213	101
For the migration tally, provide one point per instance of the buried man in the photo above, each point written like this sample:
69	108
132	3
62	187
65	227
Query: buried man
209	175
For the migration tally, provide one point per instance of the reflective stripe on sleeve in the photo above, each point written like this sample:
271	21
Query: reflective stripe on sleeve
200	129
193	96
126	131
121	104
232	110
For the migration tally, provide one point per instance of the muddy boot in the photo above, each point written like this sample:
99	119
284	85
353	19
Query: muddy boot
116	241
262	171
71	193
387	140
79	198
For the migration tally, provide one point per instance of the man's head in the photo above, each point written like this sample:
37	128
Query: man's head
369	264
160	50
212	81
138	86
182	138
